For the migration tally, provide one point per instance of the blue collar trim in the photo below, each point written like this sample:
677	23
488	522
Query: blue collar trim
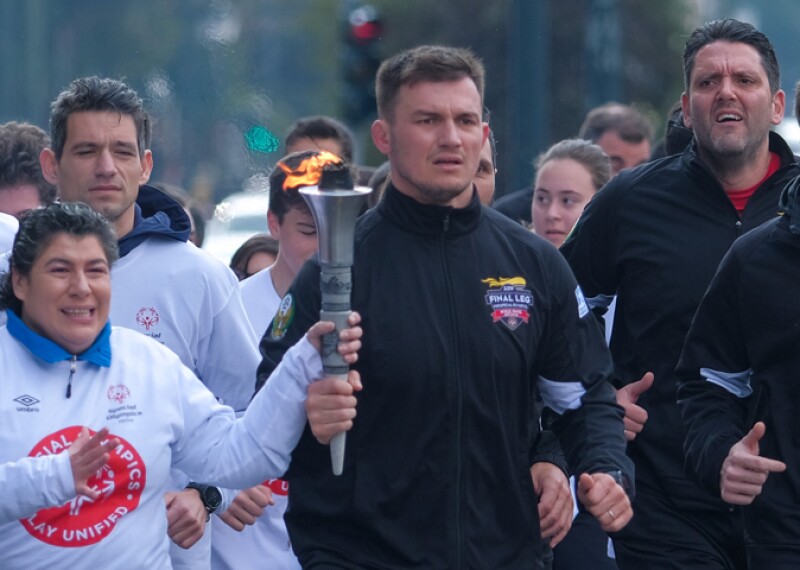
99	353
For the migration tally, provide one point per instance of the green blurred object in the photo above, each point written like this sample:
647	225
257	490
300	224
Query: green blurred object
260	139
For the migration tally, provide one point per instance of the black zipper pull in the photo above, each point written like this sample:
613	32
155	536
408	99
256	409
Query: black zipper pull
72	368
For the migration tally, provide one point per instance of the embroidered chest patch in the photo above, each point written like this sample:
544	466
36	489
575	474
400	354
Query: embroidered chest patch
510	300
283	318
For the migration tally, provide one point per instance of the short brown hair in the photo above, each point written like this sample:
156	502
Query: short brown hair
425	63
98	94
20	146
625	120
585	153
733	31
322	127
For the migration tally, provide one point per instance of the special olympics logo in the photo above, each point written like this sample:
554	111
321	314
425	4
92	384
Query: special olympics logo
118	393
278	486
147	317
83	521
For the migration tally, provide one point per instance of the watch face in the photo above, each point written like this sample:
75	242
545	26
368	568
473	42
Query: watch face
212	497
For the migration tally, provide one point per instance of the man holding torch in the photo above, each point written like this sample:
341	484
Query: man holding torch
466	318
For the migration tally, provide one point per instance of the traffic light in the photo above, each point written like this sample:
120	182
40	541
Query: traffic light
360	60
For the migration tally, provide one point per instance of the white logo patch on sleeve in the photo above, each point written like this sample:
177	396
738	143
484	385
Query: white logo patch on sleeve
583	308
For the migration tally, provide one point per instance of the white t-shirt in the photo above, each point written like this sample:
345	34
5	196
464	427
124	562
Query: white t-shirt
264	544
260	300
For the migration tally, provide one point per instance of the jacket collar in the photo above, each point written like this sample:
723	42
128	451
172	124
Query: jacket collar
156	214
99	353
790	204
425	219
695	165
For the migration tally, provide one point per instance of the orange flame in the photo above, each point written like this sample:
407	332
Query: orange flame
309	171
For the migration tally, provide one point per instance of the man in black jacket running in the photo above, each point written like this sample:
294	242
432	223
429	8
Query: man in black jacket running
654	236
466	315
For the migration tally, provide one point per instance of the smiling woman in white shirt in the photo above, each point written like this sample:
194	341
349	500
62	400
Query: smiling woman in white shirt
92	417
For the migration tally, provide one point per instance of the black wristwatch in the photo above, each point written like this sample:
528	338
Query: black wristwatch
623	481
210	496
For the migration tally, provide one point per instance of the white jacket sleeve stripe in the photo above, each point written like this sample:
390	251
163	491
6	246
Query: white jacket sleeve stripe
561	396
737	383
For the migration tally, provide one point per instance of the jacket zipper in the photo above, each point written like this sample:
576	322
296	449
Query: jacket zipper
73	366
458	394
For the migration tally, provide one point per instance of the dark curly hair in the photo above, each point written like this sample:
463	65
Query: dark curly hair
37	231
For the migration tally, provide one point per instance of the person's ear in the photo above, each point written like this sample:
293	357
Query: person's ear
147	167
778	107
685	108
49	164
381	136
274	225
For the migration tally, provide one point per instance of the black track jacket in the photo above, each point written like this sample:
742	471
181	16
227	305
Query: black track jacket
465	314
654	235
741	364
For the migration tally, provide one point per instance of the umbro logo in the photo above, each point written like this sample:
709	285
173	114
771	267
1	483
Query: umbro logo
27	403
26	400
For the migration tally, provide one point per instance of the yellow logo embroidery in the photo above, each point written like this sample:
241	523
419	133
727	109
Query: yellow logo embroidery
509	299
494	283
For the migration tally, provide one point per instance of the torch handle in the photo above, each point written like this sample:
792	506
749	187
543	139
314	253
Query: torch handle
334	365
337	452
335	282
332	362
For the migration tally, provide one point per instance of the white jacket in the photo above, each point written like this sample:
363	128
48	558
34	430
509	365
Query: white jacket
8	229
190	302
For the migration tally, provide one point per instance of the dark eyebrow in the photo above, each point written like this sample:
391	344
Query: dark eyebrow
126	145
117	144
424	113
65	261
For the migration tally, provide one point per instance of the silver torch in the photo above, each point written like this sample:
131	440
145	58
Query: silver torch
335	204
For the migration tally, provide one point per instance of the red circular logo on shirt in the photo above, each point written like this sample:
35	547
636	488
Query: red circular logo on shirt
278	486
83	521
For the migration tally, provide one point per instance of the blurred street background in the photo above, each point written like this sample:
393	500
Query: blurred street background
225	78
